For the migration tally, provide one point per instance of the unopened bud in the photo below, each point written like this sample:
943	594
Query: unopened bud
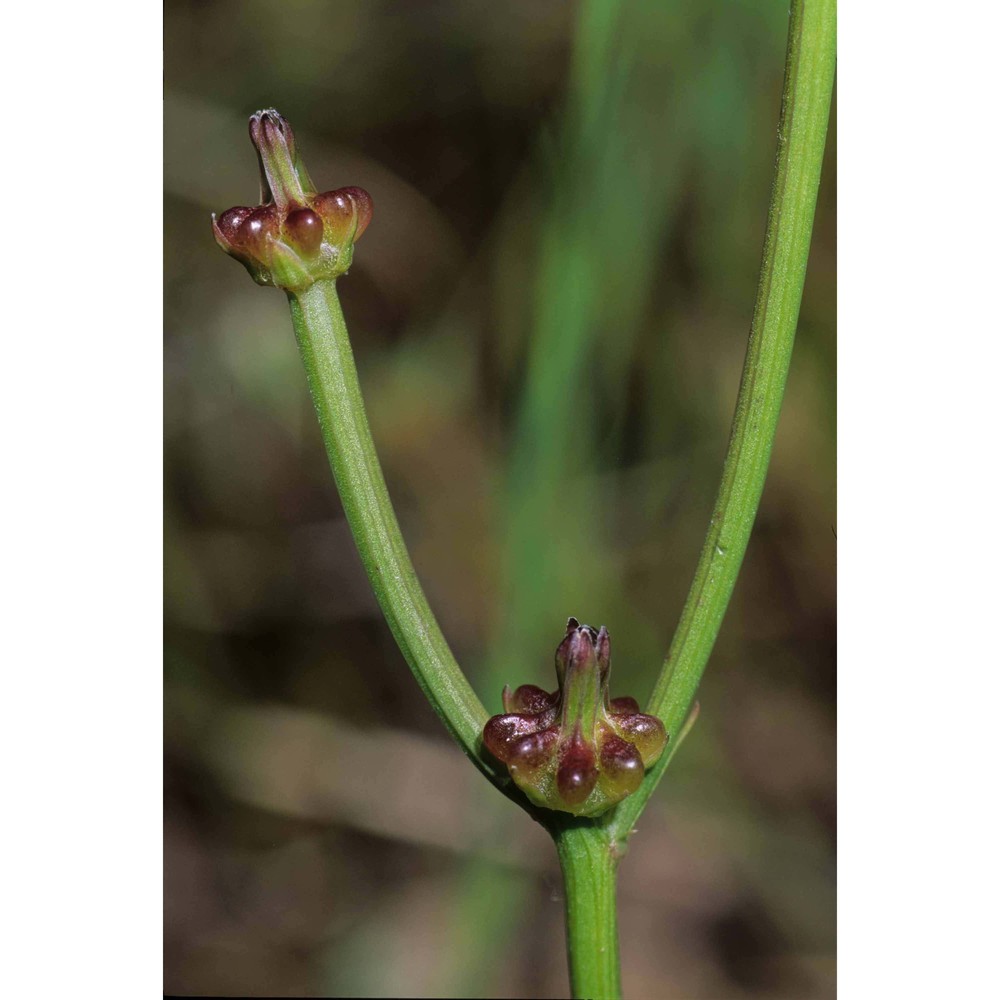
576	749
296	236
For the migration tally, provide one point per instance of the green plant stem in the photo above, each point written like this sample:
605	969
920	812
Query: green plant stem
589	868
333	381
589	852
805	110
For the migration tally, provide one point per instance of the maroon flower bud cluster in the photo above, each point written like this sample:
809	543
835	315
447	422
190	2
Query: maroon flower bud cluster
577	749
295	236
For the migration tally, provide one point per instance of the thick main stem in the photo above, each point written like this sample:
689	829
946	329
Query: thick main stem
333	381
590	868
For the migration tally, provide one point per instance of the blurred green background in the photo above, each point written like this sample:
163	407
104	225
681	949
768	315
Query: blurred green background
549	313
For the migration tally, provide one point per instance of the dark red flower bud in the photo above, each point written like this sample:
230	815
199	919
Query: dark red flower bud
296	236
622	763
576	749
305	230
347	211
577	773
230	221
527	698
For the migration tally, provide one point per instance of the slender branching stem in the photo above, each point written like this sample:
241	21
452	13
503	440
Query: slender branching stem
333	382
589	850
805	112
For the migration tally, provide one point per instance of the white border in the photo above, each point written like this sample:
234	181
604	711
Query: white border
80	419
81	403
919	381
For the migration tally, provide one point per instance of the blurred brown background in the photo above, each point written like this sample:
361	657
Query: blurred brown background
549	313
